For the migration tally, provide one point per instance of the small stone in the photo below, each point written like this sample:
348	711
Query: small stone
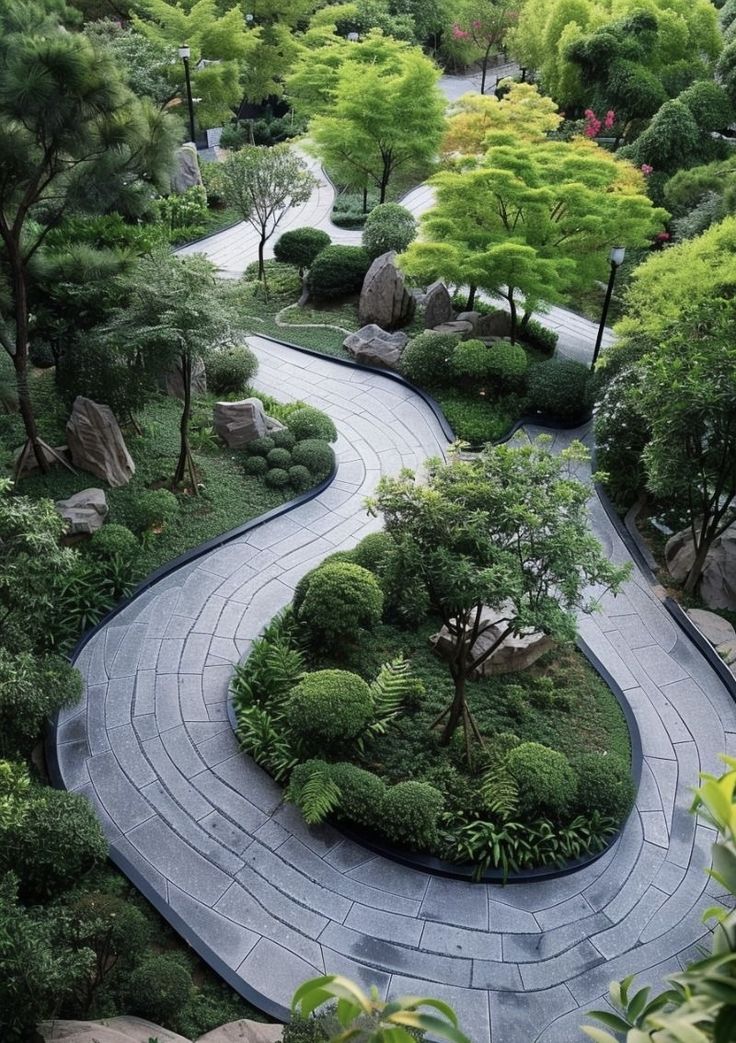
712	626
462	329
375	347
84	512
473	317
96	442
238	423
727	652
437	305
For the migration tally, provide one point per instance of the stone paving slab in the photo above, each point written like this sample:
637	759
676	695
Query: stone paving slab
208	832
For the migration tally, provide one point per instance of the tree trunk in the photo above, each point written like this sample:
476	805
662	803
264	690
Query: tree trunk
484	66
471	298
697	566
261	265
456	711
365	200
186	376
512	311
20	358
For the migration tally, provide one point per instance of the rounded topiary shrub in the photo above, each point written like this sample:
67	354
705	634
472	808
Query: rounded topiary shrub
151	509
341	599
328	707
561	388
300	591
300	478
113	540
308	422
283	438
277	477
374	551
426	359
361	794
314	454
282	280
338	272
410	813
604	785
279	458
471	361
159	987
499	363
546	781
389	226
256	465
300	246
230	369
260	446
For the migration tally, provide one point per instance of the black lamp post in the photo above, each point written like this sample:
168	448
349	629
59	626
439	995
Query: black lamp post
616	259
184	53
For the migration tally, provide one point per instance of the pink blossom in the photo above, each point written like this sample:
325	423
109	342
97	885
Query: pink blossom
476	24
610	119
646	169
592	124
459	34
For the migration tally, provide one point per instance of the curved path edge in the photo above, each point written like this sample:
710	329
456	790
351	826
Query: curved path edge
206	836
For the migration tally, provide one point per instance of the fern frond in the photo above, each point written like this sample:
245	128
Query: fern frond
499	792
271	670
390	690
314	791
260	738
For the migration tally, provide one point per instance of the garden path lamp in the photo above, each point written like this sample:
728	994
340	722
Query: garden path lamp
184	53
616	259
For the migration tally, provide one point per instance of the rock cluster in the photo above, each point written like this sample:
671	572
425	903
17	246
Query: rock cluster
84	512
238	423
516	652
717	586
437	305
718	631
127	1029
384	299
96	442
375	347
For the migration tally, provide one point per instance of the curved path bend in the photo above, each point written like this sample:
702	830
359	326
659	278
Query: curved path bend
205	833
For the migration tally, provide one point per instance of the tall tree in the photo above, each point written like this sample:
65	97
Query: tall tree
481	26
507	530
262	184
369	127
177	311
67	123
531	219
522	112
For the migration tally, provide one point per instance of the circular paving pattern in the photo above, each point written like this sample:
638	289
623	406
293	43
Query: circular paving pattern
204	832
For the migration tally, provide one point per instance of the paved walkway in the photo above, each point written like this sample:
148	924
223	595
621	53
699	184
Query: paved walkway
244	879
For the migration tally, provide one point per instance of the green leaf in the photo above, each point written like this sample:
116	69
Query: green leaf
612	1021
724	1027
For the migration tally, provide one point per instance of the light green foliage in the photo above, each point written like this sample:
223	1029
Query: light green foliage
389	226
328	708
410	813
546	782
112	540
32	689
262	184
152	509
341	599
184	211
426	360
361	794
313	790
145	63
501	363
308	422
389	1023
480	529
368	135
317	456
531	217
230	369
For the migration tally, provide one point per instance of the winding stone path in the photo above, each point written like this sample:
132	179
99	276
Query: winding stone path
270	902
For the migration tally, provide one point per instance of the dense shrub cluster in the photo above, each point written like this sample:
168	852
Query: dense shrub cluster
340	600
327	708
300	246
389	226
230	369
338	271
560	388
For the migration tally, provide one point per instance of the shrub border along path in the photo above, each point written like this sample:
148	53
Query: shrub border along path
203	832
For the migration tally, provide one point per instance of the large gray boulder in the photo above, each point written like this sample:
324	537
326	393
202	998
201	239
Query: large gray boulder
497	324
123	1029
458	327
376	347
243	1032
96	442
84	512
717	586
437	305
175	380
384	299
186	173
238	423
516	652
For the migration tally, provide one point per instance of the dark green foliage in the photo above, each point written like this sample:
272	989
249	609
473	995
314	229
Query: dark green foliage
560	388
539	336
621	433
544	777
327	708
348	210
313	790
279	458
308	422
115	930
57	840
300	246
477	420
256	465
317	456
671	141
318	1028
361	794
338	271
341	599
150	508
230	369
159	987
681	74
410	812
426	360
709	105
282	280
604	785
374	552
634	91
261	446
272	668
32	689
83	597
300	478
300	591
283	439
389	226
277	478
500	363
726	70
114	539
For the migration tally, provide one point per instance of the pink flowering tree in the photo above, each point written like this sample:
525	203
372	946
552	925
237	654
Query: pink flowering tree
480	28
594	124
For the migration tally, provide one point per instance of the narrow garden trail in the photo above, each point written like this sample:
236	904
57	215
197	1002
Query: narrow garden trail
205	833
